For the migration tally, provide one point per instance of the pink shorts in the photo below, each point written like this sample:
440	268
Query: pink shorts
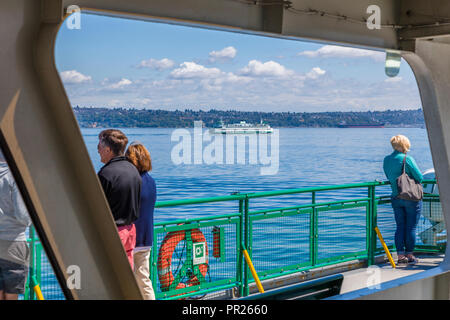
127	235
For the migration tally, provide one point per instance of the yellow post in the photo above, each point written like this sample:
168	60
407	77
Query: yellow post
385	247
37	289
38	292
252	269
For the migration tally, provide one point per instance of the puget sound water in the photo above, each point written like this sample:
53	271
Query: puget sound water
307	157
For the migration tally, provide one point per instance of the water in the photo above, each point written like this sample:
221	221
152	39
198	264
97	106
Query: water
308	157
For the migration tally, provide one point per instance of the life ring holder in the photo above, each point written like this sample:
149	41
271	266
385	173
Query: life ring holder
196	273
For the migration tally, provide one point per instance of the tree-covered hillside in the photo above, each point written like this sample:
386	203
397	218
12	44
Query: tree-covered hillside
125	118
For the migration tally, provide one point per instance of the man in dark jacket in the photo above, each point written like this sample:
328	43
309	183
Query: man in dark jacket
121	183
14	251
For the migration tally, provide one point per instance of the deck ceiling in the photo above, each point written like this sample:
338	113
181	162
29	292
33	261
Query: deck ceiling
342	21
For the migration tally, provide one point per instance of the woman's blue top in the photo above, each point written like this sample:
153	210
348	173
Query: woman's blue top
393	168
144	224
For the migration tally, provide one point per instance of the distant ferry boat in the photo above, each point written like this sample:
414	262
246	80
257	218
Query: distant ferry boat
357	125
242	127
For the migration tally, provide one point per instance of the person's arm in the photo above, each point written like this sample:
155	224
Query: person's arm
20	210
384	167
414	169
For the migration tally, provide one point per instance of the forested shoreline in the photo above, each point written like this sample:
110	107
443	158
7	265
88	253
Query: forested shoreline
142	118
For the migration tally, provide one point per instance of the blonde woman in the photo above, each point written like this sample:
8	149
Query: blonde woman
406	212
140	157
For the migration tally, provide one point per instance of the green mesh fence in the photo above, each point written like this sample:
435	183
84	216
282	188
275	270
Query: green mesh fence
51	290
195	257
42	271
386	224
279	241
430	231
341	232
284	232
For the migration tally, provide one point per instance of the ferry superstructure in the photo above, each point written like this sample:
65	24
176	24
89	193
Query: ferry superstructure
44	147
242	128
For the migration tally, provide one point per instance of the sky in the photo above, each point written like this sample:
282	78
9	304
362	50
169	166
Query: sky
115	62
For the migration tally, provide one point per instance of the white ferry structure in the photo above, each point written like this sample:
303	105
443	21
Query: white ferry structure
242	128
44	147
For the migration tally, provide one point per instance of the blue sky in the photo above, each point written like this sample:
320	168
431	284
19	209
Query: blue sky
112	62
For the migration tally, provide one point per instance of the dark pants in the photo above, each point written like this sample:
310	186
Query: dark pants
14	261
407	214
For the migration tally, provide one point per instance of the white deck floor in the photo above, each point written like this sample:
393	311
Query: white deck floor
368	277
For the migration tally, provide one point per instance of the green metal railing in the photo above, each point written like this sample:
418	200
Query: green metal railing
313	226
325	226
40	273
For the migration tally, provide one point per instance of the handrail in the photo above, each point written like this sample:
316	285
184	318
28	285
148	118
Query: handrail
172	203
310	205
311	189
252	195
192	220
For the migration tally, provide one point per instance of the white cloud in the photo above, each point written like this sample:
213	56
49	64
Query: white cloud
225	54
121	84
260	85
256	68
114	102
330	51
157	64
315	73
230	77
394	79
142	101
310	91
73	76
229	80
190	70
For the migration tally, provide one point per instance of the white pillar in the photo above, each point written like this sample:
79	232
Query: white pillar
431	66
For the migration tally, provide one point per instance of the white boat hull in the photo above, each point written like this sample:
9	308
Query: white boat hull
240	131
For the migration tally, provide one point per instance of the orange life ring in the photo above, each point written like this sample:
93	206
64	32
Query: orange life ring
166	250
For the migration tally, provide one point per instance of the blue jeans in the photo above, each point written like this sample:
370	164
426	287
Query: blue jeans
407	214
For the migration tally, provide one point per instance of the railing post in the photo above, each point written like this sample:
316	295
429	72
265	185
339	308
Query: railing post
370	227
374	222
154	263
32	262
240	267
313	232
247	245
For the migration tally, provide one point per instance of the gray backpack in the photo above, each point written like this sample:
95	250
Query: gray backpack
408	188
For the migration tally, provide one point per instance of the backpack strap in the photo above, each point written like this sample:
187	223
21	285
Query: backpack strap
404	163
